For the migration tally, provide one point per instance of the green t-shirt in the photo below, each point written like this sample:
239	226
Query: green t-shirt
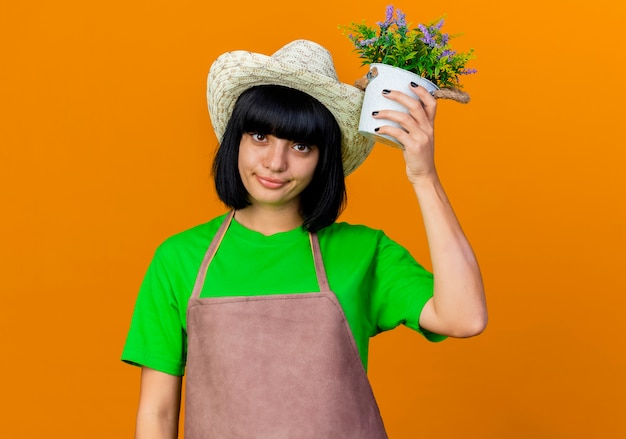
377	282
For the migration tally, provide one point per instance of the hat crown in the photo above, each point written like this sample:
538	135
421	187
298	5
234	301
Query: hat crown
302	65
308	56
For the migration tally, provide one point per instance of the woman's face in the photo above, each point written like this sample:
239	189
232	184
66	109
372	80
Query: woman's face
275	171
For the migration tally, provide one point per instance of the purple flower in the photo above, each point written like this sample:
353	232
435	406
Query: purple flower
389	14
369	42
433	37
401	21
427	38
468	71
447	53
388	18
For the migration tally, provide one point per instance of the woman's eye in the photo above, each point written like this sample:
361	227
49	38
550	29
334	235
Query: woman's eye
300	147
258	137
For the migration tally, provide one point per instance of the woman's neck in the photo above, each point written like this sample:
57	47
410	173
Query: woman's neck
269	220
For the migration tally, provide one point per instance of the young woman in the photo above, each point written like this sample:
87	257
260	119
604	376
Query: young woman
268	309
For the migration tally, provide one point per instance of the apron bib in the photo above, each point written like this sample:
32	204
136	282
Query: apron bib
280	366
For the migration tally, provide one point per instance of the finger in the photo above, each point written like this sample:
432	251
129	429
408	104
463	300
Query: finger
407	121
415	121
429	102
407	139
415	106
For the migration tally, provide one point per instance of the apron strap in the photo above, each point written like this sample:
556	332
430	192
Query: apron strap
320	272
208	256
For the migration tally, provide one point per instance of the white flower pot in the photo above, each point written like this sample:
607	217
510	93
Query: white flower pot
383	76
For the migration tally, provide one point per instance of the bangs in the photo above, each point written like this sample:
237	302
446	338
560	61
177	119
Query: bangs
285	113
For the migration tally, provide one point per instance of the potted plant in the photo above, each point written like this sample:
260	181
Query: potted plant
397	55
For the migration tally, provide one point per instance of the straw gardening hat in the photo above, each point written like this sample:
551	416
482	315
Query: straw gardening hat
303	65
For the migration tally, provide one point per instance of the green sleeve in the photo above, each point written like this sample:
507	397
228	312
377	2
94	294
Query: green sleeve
401	289
156	338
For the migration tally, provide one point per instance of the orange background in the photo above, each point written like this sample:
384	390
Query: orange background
105	151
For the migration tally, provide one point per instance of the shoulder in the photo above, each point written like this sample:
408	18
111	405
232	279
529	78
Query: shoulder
193	240
357	236
347	231
361	240
350	240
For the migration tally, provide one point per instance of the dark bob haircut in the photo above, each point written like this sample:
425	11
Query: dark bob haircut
294	115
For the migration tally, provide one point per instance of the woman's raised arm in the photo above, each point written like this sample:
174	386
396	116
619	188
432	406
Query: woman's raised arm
458	307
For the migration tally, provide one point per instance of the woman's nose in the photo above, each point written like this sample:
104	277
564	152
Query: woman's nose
276	158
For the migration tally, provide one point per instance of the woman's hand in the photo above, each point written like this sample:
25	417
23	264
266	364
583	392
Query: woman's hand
417	132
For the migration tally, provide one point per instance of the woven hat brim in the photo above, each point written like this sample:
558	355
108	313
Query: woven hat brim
234	72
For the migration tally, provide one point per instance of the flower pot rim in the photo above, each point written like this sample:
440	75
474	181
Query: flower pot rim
405	70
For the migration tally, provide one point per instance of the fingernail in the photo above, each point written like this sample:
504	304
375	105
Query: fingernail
376	129
385	91
374	113
414	85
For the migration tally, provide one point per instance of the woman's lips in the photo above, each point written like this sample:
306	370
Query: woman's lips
271	183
